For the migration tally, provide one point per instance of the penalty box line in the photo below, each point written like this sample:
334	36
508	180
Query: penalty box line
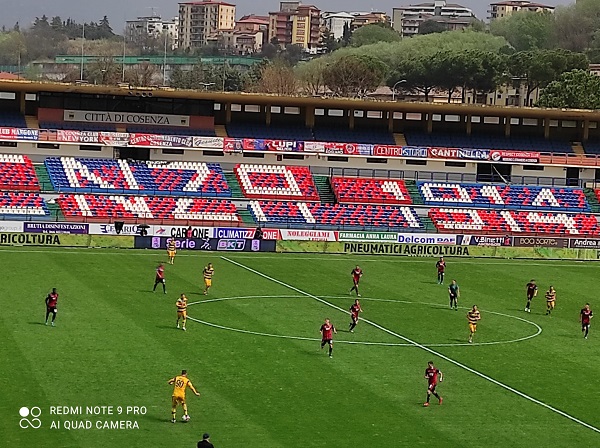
422	347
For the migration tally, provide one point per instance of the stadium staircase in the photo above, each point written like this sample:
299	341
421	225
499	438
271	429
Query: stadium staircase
246	216
324	188
577	148
234	186
428	224
221	131
56	213
592	200
32	122
400	139
43	177
121	128
412	188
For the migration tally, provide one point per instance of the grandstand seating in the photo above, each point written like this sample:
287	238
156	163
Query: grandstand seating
275	132
592	147
302	214
514	222
69	174
166	130
19	205
151	209
11	119
276	182
339	134
17	173
486	141
78	126
370	191
503	196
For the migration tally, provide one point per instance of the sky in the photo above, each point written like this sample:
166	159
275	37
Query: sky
25	11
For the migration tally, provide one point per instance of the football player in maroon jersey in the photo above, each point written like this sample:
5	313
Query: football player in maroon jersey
432	374
327	330
356	275
51	302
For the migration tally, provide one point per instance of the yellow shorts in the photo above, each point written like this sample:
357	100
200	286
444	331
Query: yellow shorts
472	327
208	282
175	400
171	253
550	304
181	314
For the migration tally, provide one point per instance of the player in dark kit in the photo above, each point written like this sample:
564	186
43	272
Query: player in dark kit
432	374
532	291
51	302
327	330
454	292
441	268
160	278
355	309
356	275
585	316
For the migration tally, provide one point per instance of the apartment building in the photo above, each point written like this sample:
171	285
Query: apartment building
201	21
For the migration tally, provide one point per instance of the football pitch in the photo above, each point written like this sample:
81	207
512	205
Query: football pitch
252	349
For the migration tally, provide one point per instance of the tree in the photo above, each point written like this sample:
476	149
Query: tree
330	43
537	69
354	76
577	89
419	74
278	78
56	24
576	24
292	54
346	34
526	30
310	75
372	34
142	75
13	49
104	70
431	26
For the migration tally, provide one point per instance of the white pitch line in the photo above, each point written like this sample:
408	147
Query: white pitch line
365	257
422	347
447	344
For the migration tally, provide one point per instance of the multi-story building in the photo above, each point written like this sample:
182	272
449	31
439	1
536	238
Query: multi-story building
248	36
201	21
335	22
296	24
407	19
368	18
139	30
507	8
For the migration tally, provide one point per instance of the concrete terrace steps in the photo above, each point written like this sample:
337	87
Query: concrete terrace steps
43	177
413	190
324	188
592	200
32	122
577	148
221	131
246	216
234	185
400	139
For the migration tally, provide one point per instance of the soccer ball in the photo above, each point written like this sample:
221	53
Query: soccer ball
185	418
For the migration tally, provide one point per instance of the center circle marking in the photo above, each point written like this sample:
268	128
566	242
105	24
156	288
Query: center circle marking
388	344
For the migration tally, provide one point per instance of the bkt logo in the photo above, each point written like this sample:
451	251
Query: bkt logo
32	422
231	245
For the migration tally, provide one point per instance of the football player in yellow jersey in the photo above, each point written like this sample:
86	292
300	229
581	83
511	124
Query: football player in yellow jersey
171	251
473	316
181	310
550	300
181	382
208	273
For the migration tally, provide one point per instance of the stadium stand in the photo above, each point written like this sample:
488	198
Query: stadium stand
19	205
17	173
69	174
503	196
277	182
360	190
349	216
151	209
513	222
487	141
165	130
274	132
592	147
77	126
367	136
12	119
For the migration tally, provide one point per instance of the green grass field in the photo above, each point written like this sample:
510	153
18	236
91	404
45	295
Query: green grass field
115	344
